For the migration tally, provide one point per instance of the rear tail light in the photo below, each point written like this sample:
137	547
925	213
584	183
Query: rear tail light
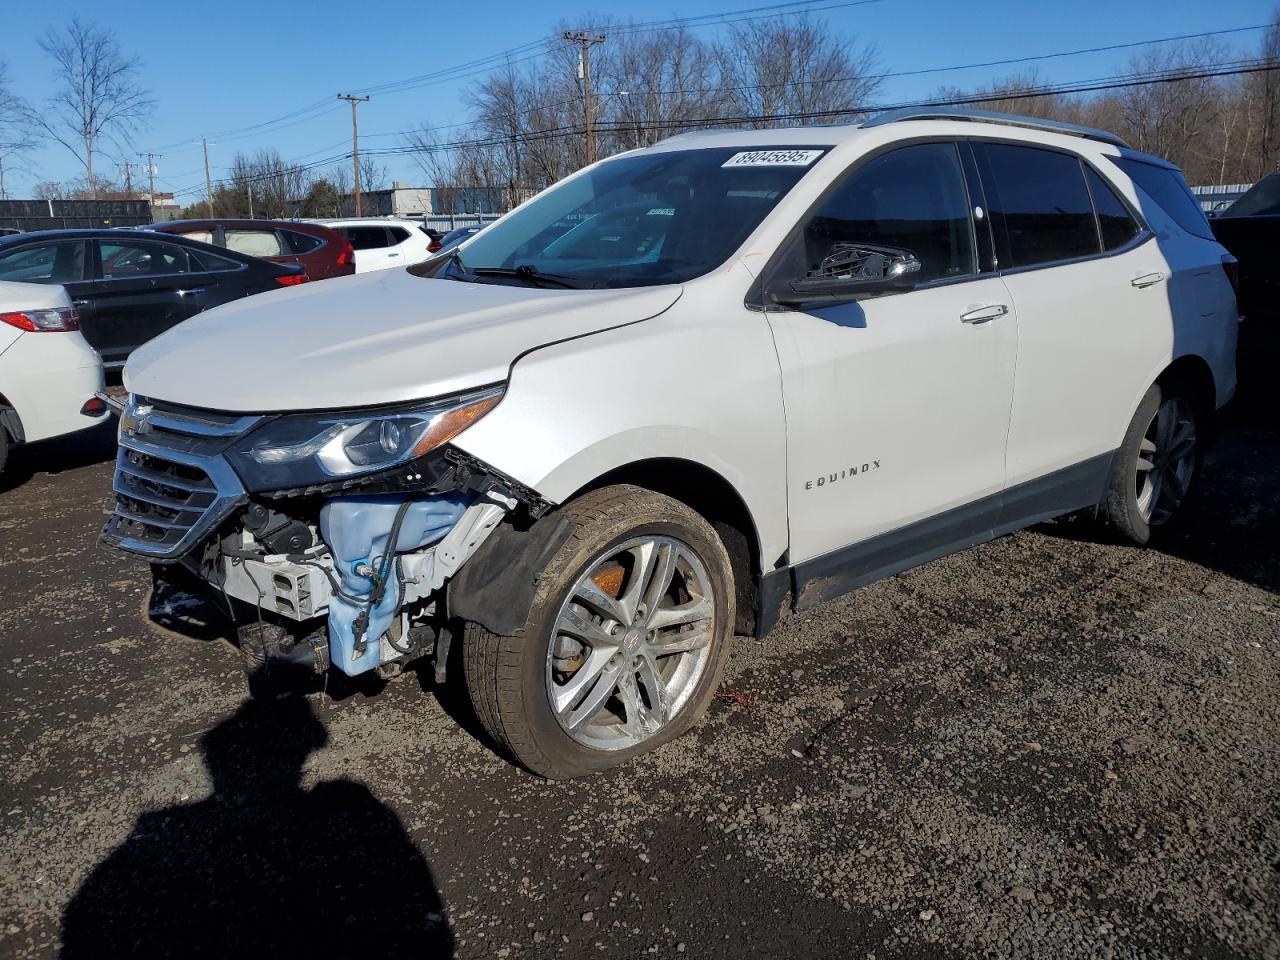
292	279
348	255
57	320
1231	267
434	246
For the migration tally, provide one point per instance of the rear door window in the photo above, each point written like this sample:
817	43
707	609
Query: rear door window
300	242
61	262
255	243
133	259
398	234
1115	222
1166	187
366	238
1039	204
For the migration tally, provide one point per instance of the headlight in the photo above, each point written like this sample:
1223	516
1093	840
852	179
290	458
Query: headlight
304	449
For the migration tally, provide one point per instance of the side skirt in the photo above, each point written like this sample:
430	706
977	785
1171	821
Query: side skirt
834	574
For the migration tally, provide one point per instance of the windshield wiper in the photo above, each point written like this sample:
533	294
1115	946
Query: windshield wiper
532	276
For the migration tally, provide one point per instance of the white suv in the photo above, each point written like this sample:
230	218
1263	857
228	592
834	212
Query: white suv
685	392
382	242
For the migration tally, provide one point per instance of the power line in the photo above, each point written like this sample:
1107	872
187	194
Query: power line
1126	81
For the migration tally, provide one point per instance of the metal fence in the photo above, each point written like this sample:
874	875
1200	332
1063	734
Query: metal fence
444	222
60	214
1219	196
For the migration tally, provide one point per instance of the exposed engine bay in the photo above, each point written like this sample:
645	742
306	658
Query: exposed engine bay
347	574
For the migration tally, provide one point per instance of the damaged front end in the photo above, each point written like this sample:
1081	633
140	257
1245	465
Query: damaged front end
329	535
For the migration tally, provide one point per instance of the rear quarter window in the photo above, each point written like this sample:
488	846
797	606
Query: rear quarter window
1166	187
300	242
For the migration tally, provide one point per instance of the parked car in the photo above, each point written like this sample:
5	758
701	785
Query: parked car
320	252
382	242
456	237
1250	229
130	285
856	349
49	374
9	231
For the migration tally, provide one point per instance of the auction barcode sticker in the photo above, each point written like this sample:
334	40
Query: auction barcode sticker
773	158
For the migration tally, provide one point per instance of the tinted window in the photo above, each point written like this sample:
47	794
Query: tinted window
398	234
210	262
61	262
1039	204
300	242
126	258
255	243
716	197
1167	188
1114	219
913	198
366	238
1263	198
622	233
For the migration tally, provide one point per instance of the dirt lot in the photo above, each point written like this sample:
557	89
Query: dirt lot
1051	745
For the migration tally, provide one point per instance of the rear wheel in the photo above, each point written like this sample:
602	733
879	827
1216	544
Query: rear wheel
1157	464
4	448
623	646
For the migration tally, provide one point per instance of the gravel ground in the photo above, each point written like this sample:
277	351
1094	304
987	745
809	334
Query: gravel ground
1049	745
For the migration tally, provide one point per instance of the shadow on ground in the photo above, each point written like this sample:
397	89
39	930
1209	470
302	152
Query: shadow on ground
264	866
71	452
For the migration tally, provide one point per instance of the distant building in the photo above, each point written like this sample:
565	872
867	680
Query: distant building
402	200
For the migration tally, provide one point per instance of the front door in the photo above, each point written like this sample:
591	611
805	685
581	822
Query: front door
897	406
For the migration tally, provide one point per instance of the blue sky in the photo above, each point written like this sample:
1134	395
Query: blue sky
215	68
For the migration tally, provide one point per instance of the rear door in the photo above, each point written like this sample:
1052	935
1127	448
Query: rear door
142	288
1090	292
371	243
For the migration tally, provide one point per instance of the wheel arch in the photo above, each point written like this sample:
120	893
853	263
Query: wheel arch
10	422
1192	373
717	501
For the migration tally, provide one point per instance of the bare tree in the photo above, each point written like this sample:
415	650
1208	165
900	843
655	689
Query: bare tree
16	137
373	175
794	70
98	92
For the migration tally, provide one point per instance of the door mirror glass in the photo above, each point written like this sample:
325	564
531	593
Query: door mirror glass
850	270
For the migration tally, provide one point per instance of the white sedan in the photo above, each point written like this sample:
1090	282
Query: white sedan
49	374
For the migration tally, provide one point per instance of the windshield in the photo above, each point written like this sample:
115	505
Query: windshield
639	220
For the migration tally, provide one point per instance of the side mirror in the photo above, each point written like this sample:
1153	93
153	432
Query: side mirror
849	271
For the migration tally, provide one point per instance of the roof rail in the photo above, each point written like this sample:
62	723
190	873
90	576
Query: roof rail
993	116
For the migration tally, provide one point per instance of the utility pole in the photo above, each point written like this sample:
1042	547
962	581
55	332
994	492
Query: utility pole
355	141
128	177
208	184
586	41
151	177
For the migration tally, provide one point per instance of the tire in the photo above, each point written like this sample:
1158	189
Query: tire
5	443
1155	470
617	531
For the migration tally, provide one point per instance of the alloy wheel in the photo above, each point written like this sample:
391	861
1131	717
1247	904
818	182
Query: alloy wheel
631	643
1166	460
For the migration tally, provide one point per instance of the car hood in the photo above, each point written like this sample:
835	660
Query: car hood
369	339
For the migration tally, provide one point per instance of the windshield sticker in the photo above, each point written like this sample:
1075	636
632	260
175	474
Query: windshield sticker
773	158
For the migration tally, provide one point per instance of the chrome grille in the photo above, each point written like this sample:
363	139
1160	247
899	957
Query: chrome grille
172	485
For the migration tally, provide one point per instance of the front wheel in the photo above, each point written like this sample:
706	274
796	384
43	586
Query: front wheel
1156	465
623	646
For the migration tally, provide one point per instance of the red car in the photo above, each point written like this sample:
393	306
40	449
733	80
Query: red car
322	252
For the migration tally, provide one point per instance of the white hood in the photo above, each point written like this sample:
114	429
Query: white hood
374	338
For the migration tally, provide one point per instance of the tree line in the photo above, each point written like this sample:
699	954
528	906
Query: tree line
526	120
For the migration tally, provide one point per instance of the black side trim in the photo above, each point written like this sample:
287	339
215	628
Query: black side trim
836	573
773	600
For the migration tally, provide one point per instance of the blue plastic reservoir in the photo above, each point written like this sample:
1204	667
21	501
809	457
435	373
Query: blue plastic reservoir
357	530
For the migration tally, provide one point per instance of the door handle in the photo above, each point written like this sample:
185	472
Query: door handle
984	314
1147	280
393	254
190	293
